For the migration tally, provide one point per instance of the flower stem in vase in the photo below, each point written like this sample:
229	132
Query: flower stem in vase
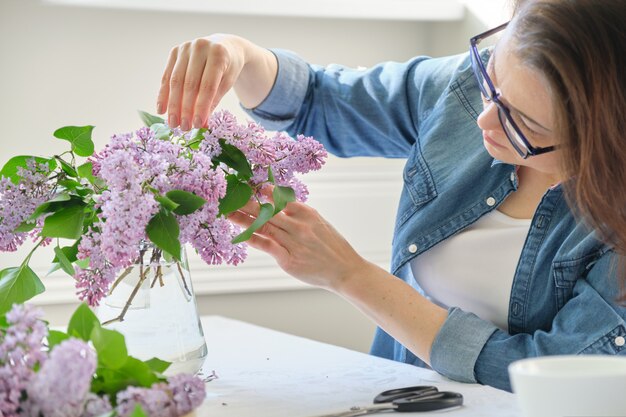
182	276
142	277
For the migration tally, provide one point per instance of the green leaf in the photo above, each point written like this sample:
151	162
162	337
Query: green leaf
86	171
82	263
18	285
282	196
52	205
79	137
161	131
55	337
138	412
196	136
70	185
163	231
110	346
150	119
133	372
70	253
157	365
166	203
67	168
65	263
238	193
65	223
26	226
187	202
82	323
266	212
270	175
139	372
234	158
9	170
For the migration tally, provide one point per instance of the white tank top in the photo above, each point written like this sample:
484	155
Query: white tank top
474	269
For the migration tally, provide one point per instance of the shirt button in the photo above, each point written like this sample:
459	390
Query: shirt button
412	248
491	201
620	341
513	177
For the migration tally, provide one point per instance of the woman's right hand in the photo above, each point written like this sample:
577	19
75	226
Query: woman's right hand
199	72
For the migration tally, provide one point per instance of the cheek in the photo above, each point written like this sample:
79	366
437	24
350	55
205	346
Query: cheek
548	163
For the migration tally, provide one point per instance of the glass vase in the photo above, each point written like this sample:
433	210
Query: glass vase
152	304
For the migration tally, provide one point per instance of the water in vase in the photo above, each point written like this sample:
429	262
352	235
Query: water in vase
152	303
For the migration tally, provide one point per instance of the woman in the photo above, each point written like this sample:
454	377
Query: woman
515	230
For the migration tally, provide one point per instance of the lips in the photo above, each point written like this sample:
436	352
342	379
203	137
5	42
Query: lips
492	142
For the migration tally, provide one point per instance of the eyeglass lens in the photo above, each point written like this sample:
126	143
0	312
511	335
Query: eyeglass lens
511	132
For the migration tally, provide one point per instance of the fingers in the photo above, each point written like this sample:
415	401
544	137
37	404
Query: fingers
269	246
276	226
197	75
209	89
177	81
193	78
164	90
206	92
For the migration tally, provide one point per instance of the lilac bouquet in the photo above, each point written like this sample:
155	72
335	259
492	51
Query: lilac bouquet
85	372
157	185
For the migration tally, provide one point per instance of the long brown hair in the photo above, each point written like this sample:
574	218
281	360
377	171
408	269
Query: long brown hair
580	48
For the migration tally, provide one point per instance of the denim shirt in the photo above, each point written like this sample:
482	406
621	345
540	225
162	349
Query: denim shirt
563	296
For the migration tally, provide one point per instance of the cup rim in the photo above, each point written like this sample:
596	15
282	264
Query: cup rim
526	366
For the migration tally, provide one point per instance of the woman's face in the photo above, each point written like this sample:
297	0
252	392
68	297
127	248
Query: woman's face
524	91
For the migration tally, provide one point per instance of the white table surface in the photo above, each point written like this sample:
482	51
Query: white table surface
265	373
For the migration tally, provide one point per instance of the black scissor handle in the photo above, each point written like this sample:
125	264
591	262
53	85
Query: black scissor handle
395	394
430	402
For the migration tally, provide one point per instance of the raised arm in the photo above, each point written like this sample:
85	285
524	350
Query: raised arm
199	72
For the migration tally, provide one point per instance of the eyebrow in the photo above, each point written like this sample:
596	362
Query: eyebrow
494	79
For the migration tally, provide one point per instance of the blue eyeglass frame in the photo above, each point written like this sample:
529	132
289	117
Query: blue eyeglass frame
492	95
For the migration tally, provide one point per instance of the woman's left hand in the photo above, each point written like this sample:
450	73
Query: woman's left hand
304	245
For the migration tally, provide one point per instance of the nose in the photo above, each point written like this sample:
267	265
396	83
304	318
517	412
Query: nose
488	119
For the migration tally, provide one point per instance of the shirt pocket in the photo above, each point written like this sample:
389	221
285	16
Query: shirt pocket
418	181
566	273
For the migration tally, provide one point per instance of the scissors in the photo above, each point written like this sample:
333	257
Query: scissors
409	399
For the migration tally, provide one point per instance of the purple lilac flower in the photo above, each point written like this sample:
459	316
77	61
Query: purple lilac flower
96	406
213	243
180	395
93	283
60	387
136	166
19	201
20	352
188	392
155	401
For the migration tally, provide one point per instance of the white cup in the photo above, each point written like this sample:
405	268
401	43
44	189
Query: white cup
570	386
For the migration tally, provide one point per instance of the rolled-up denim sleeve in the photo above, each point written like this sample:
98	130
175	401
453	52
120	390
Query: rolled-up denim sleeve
279	109
458	344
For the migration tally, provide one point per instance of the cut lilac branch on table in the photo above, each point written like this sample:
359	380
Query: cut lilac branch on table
158	185
85	372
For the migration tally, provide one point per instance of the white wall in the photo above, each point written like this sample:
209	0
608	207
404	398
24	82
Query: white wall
63	65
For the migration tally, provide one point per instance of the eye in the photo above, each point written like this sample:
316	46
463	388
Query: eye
525	125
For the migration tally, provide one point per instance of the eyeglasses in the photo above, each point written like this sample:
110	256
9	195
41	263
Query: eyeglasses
512	131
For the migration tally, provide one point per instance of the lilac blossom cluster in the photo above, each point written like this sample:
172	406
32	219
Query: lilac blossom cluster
136	167
20	353
35	384
133	173
284	155
19	201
